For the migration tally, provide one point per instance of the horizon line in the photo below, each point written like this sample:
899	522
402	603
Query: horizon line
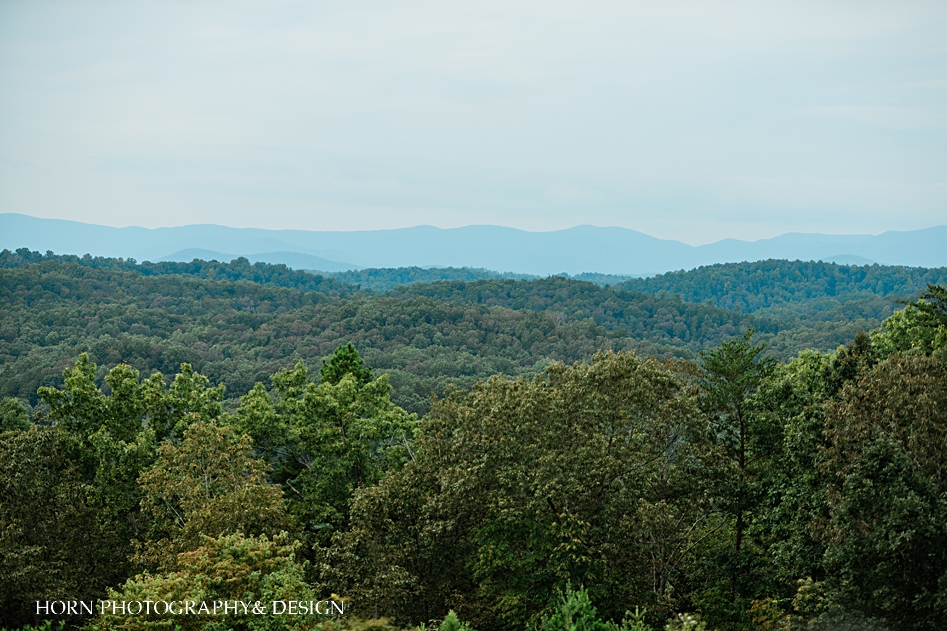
607	227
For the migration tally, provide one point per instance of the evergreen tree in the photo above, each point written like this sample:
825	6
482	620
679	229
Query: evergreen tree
732	376
345	361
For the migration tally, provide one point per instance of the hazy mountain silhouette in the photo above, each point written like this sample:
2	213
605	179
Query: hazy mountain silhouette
574	250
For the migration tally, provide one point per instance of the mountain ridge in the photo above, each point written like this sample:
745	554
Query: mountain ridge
583	248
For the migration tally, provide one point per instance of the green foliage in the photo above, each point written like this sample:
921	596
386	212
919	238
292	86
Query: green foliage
886	542
452	623
14	415
732	376
70	504
353	623
239	269
785	525
46	625
52	540
754	286
600	279
231	567
664	319
238	334
520	486
919	328
387	278
763	495
208	485
686	622
238	324
933	304
345	361
575	612
816	305
326	441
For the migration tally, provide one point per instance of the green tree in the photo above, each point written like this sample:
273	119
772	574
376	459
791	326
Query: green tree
230	568
189	398
73	492
920	327
345	361
452	623
208	485
933	304
14	415
886	461
117	433
574	611
325	441
520	486
732	376
792	498
50	545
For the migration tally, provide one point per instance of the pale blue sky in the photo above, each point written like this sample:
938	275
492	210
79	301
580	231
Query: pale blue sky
688	120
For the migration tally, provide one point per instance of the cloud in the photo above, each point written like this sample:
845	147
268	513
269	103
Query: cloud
888	117
687	120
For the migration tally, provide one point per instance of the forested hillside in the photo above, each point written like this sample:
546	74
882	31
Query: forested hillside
239	333
236	270
805	286
384	279
238	323
615	493
387	278
817	325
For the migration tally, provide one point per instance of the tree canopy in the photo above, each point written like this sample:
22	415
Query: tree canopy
561	478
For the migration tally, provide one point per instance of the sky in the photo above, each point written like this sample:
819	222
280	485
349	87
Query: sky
694	121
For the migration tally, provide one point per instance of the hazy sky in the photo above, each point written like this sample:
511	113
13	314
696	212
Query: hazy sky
687	120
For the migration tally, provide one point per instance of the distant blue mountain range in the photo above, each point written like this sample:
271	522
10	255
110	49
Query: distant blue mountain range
573	251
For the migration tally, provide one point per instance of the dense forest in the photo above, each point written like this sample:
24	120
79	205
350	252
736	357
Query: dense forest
239	333
705	452
238	323
752	287
385	279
